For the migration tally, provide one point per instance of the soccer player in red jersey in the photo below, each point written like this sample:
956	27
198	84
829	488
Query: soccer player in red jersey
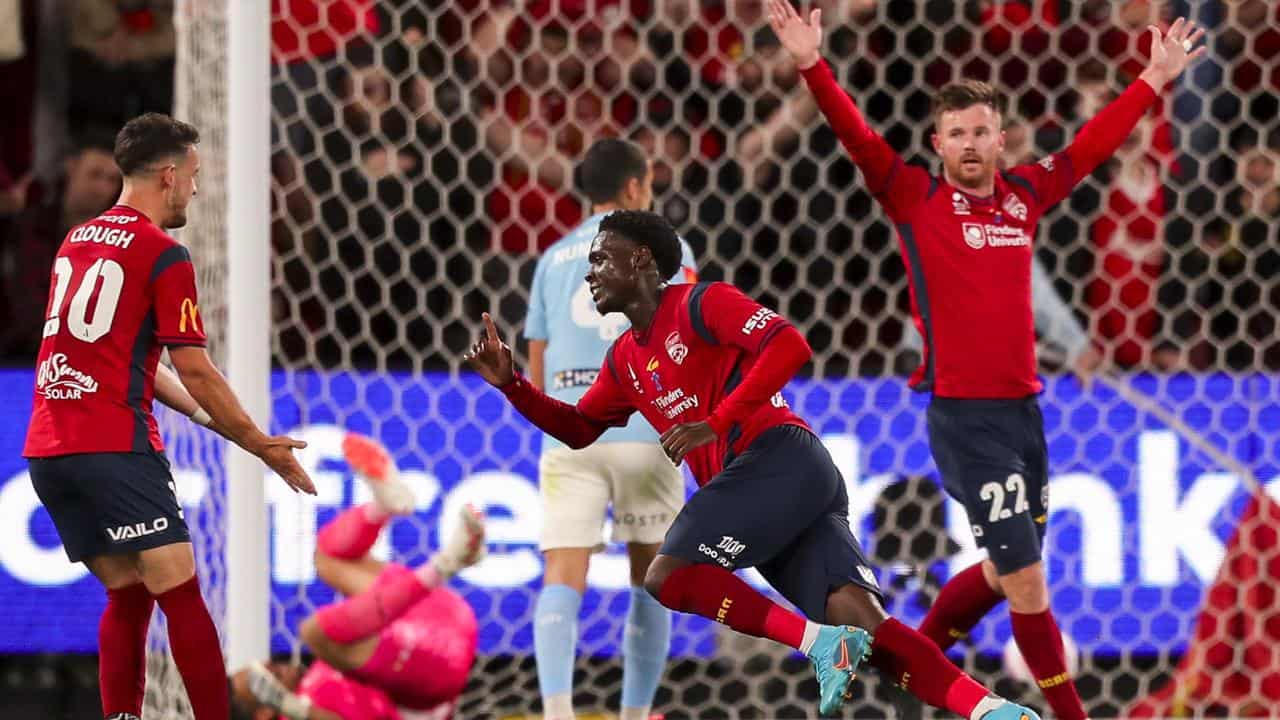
705	365
401	644
122	291
966	241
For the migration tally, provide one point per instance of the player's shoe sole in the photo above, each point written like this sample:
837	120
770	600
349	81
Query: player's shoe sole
836	654
373	464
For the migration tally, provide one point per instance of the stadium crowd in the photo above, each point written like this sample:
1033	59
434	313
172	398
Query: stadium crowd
423	155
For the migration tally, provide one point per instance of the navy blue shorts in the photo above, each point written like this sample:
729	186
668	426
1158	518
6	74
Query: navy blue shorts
780	507
993	460
110	503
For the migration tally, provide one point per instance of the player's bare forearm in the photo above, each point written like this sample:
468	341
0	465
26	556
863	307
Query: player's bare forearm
779	360
210	390
537	363
171	392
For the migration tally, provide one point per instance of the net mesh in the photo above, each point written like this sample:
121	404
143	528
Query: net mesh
422	156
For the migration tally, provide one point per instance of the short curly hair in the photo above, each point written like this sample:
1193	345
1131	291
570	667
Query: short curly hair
150	138
650	230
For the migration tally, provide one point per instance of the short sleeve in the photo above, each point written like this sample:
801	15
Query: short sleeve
605	402
175	303
722	315
535	321
1049	180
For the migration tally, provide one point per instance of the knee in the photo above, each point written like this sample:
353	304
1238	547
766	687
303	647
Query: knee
1026	589
659	570
852	605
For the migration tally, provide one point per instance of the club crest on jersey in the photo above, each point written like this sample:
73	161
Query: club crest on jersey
57	380
676	349
1015	207
1046	163
959	203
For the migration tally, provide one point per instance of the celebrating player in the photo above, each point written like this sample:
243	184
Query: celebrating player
123	290
401	644
966	241
567	340
705	365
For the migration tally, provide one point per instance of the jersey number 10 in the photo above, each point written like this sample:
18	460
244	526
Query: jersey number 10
83	327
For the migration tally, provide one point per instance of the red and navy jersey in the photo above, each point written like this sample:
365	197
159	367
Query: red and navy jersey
969	258
121	290
703	340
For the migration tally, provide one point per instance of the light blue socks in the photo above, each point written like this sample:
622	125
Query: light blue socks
645	644
555	638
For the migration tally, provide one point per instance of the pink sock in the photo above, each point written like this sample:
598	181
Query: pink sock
353	532
717	594
394	591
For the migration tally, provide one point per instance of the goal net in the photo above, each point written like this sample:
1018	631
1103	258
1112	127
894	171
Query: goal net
422	155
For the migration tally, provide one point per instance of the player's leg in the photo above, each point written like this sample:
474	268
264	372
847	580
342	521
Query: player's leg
993	459
345	633
964	600
647	493
122	634
825	573
574	495
1035	630
342	545
748	514
122	629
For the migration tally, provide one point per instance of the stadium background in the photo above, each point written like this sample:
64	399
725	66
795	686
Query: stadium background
421	155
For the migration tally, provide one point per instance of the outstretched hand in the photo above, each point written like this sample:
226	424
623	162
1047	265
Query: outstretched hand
277	453
1172	51
802	39
491	357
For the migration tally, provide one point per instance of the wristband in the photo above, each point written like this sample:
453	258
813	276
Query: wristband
200	417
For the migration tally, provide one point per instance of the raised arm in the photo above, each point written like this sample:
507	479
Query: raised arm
576	426
1101	136
896	185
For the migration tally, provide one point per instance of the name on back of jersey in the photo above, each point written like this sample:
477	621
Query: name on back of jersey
57	380
110	236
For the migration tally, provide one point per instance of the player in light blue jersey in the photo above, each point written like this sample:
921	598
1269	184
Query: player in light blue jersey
627	468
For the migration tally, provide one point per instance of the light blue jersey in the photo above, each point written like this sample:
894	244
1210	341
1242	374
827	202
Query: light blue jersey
561	313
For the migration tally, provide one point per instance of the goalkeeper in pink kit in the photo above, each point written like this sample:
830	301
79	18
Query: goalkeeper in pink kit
401	645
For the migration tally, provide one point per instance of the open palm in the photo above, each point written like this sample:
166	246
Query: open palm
802	39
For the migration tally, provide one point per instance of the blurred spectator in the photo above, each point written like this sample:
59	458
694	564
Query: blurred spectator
1129	241
18	79
90	184
122	61
1226	289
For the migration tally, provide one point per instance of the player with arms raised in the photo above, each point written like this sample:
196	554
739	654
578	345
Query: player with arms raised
705	365
966	241
122	291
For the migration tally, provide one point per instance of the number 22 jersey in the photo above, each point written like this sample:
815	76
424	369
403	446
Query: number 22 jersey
121	290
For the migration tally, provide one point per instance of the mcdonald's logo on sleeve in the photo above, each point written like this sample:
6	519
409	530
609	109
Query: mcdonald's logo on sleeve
191	312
